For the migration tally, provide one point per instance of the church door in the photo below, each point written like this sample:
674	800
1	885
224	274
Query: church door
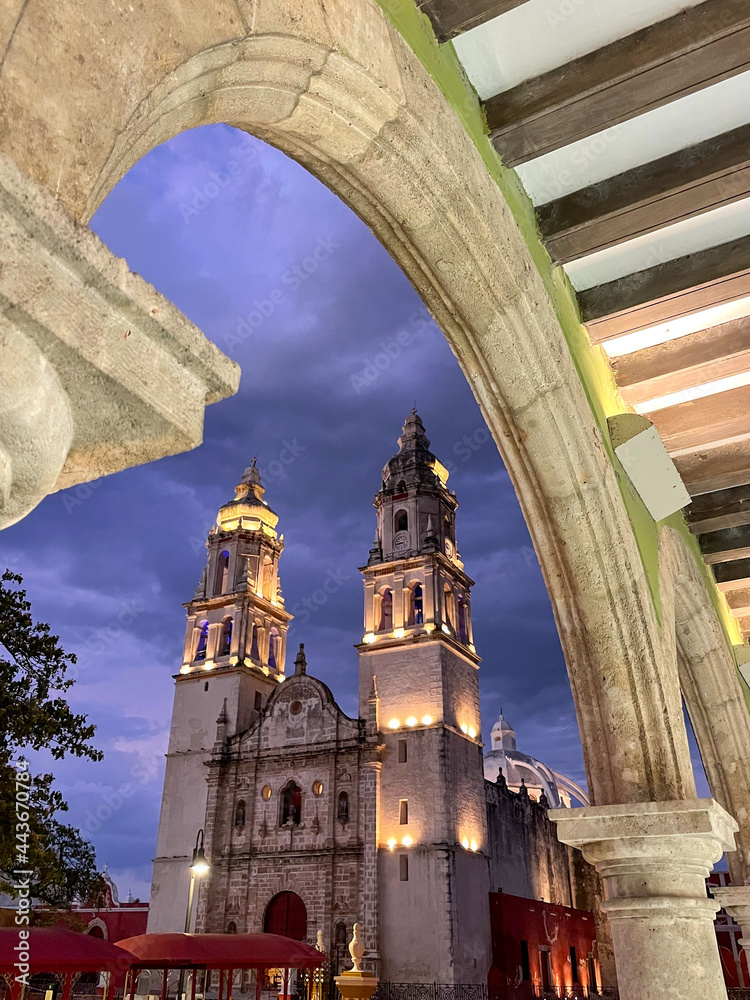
286	914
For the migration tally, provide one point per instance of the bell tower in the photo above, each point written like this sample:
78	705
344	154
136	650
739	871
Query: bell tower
418	648
233	657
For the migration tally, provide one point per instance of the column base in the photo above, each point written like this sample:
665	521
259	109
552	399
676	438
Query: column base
356	985
653	858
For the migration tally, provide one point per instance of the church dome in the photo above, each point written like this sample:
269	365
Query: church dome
414	462
519	769
248	509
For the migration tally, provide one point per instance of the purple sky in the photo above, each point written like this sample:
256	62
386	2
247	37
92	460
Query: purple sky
219	222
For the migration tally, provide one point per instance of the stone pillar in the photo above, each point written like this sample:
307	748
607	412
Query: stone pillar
653	858
735	899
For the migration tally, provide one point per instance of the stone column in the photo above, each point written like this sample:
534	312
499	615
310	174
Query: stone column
735	899
653	858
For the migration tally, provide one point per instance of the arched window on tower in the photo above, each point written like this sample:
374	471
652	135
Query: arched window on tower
291	805
416	610
255	642
273	647
222	573
449	616
200	649
226	637
401	521
386	611
239	813
342	810
463	618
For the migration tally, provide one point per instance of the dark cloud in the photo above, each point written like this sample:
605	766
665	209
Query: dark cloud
335	347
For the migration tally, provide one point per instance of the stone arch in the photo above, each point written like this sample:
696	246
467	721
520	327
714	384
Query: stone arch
98	928
337	88
711	689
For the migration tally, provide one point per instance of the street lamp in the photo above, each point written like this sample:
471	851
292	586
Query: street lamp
198	866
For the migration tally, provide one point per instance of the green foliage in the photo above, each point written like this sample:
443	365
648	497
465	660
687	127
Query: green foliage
34	715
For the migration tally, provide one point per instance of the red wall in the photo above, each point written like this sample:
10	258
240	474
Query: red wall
121	920
541	925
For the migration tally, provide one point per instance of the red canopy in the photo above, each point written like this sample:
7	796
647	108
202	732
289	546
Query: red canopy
221	951
56	949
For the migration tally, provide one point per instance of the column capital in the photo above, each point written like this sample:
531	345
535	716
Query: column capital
735	899
696	829
653	858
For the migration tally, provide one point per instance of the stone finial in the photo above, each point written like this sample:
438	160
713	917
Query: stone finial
523	790
319	941
300	663
221	728
543	800
200	590
356	948
250	483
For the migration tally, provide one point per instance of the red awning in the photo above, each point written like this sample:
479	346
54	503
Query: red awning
56	949
221	951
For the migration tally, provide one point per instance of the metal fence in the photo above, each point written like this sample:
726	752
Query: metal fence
429	991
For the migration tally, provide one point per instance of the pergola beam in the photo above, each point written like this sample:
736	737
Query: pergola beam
719	510
667	290
694	360
451	17
707	468
685	184
658	64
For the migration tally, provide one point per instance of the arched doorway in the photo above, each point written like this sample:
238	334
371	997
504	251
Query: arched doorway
286	914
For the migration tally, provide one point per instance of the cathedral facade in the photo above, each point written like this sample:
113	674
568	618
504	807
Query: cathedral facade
314	820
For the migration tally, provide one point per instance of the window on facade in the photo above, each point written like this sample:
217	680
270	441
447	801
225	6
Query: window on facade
546	969
342	812
254	648
573	964
239	813
592	974
291	804
226	637
205	686
231	927
339	935
403	867
222	573
200	650
403	812
401	521
402	751
258	701
417	606
273	647
386	611
317	787
525	965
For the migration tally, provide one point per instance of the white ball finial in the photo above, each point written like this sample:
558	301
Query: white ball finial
356	948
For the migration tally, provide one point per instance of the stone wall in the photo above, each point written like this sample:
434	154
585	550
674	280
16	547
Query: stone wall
526	858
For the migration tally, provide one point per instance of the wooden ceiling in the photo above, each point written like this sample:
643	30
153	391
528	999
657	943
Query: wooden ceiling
690	371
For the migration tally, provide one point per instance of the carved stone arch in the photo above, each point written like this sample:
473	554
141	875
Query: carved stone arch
337	88
97	924
711	688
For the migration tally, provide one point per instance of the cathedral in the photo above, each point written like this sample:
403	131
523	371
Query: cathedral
314	820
